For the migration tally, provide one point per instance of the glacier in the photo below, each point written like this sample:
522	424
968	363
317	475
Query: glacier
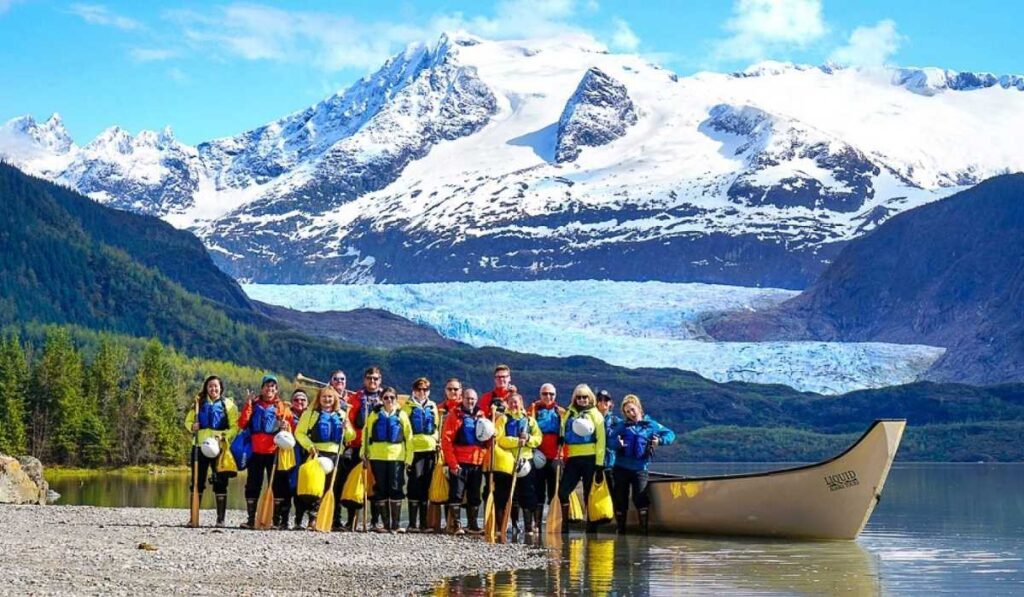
631	324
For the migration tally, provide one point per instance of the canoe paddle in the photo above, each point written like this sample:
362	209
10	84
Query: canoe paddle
489	522
511	493
193	518
265	510
554	521
325	513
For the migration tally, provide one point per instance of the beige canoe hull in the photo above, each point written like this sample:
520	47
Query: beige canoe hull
828	500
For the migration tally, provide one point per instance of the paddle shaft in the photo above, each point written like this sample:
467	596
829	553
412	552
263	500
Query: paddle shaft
511	495
327	501
366	462
193	520
489	506
267	501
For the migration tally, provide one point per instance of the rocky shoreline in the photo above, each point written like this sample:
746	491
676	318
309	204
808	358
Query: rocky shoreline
60	550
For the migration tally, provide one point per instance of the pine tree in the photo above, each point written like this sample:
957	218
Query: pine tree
153	394
56	400
104	386
13	384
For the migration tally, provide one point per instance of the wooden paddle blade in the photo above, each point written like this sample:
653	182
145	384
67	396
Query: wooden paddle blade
265	510
193	518
489	522
434	516
503	528
325	515
554	521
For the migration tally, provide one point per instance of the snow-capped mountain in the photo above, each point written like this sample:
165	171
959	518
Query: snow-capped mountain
469	159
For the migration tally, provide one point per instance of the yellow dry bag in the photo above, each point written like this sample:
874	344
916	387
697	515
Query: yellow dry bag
311	479
226	464
599	507
285	459
438	492
354	489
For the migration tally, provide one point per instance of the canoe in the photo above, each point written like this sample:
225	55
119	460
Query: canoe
830	500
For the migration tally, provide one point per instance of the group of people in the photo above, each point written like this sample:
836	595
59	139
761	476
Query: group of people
548	448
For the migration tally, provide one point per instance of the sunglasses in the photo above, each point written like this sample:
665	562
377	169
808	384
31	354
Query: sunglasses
373	377
421	389
337	379
547	393
584	397
387	397
453	389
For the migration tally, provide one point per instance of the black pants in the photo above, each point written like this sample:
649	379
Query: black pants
260	466
466	484
388	479
627	481
419	477
349	460
544	482
577	468
525	496
208	466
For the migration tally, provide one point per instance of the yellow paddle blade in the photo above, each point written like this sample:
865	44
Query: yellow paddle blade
325	515
489	522
575	507
265	510
554	521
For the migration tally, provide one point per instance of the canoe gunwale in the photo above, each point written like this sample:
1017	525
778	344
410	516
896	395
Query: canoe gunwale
656	477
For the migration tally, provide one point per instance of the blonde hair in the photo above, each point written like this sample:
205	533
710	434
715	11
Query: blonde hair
634	400
584	390
325	391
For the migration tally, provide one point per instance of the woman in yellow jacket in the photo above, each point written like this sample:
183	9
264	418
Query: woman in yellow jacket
212	416
426	432
387	444
516	433
584	435
320	432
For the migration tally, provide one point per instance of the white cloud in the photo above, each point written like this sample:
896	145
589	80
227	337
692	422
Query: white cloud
623	37
152	54
97	14
869	46
759	27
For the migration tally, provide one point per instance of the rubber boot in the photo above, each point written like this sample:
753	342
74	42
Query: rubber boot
396	517
414	510
221	500
644	520
472	527
250	511
514	524
565	519
300	509
528	522
286	514
538	519
351	523
278	511
377	512
375	521
452	515
620	523
423	518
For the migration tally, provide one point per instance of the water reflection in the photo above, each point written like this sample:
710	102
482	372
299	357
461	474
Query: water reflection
135	489
673	565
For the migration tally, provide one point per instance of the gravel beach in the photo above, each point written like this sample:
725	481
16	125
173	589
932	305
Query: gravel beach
86	550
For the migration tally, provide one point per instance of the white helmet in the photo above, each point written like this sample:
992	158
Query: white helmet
583	426
326	463
539	459
484	430
210	447
284	440
524	468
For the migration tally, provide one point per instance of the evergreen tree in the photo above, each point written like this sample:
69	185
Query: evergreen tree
152	395
55	398
13	384
104	386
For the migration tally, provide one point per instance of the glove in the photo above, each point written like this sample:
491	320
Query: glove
599	475
408	471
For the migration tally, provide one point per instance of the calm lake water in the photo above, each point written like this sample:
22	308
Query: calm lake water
940	528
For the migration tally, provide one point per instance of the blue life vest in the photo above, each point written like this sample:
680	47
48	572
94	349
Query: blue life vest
213	415
548	420
515	427
467	434
387	428
422	420
264	419
328	428
572	438
635	441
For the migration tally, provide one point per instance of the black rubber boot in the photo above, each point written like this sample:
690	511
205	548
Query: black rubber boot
538	519
396	516
250	511
377	511
452	516
514	525
278	511
620	523
565	519
286	514
471	524
644	520
423	518
528	522
221	500
414	511
351	522
300	509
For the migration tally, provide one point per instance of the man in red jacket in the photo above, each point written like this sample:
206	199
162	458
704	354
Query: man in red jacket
360	405
464	455
264	416
549	418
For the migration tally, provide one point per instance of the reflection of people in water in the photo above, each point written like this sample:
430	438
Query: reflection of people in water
635	439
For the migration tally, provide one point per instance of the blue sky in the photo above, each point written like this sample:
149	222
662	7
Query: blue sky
212	69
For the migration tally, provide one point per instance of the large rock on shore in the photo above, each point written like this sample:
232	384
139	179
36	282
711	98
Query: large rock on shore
21	481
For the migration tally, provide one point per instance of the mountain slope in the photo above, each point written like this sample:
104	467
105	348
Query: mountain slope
946	274
469	159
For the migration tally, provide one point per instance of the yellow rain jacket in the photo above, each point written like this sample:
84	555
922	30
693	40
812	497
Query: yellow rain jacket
508	440
591	445
311	428
387	437
421	419
216	420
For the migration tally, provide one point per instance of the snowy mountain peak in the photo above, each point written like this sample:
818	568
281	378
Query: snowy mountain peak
49	136
929	80
597	113
767	68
